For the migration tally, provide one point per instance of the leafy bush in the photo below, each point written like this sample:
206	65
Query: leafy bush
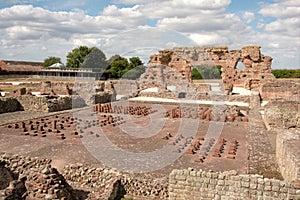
286	73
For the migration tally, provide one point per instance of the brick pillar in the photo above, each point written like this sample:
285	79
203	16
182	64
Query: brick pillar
54	122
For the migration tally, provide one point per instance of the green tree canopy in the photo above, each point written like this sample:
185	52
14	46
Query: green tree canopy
195	74
51	60
117	66
96	59
76	57
286	73
113	58
121	67
135	73
135	62
206	72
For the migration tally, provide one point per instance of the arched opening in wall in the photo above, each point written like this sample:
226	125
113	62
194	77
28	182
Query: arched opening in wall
240	66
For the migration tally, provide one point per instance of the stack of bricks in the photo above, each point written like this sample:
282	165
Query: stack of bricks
53	125
205	149
204	113
111	120
132	110
232	149
195	146
219	148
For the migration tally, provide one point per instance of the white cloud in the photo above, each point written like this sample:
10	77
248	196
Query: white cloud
124	30
210	39
131	2
282	9
248	17
290	26
281	36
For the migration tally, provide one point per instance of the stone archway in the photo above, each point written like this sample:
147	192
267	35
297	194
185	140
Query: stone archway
257	67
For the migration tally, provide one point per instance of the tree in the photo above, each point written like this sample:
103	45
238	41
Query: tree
286	73
135	73
113	58
135	62
206	72
195	74
96	59
120	67
51	60
117	66
135	68
76	57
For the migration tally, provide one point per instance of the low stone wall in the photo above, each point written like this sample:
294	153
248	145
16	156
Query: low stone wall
50	104
9	104
288	154
103	97
193	185
37	179
33	103
40	104
135	185
6	176
280	89
105	183
280	113
126	87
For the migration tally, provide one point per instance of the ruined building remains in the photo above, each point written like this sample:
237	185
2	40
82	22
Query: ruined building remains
256	66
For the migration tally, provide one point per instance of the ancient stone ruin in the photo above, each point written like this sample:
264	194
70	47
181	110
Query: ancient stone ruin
257	67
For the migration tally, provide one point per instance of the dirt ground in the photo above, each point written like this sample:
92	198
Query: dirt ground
64	141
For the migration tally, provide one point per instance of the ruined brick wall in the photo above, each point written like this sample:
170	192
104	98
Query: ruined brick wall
288	154
38	182
280	89
282	114
48	104
159	75
40	104
257	66
9	104
137	185
103	183
189	184
126	87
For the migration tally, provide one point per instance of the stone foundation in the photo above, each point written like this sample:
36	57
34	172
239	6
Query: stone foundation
193	185
9	104
288	154
37	179
39	104
282	114
284	89
106	183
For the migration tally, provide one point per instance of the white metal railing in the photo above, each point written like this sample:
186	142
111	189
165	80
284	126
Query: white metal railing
67	70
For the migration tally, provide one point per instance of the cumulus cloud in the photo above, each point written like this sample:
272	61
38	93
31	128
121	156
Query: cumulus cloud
248	17
282	9
126	30
282	34
209	39
64	24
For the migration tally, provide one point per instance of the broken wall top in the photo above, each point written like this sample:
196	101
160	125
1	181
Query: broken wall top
257	67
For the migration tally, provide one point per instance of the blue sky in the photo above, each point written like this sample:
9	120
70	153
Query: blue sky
37	29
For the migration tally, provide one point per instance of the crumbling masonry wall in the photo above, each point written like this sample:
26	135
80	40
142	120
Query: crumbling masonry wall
288	154
189	184
257	66
284	89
